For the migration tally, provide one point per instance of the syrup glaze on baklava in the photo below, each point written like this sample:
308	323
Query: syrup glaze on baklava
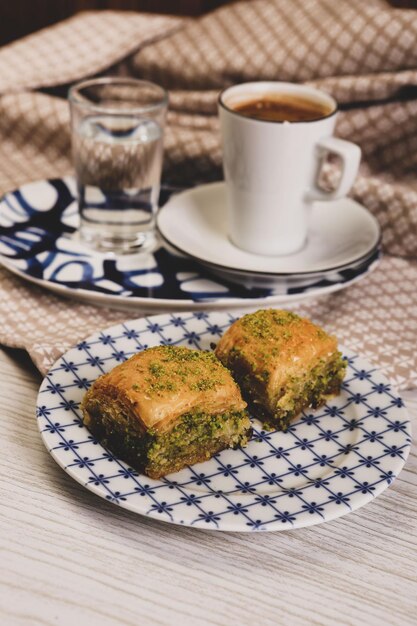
167	407
283	364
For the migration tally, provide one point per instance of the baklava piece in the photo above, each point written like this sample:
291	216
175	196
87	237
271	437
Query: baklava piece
283	363
165	408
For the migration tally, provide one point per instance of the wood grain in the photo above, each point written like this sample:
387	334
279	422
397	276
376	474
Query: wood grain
68	557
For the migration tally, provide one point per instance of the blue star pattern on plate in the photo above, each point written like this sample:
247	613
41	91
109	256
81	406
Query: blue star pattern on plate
38	241
331	461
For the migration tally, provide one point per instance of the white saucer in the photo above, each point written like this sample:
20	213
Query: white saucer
295	282
342	232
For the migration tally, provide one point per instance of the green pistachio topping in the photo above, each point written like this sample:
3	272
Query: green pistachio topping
262	323
176	367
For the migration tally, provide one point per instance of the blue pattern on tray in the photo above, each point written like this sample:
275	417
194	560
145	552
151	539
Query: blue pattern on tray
37	226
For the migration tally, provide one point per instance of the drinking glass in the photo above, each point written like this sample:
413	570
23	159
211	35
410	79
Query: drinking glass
117	127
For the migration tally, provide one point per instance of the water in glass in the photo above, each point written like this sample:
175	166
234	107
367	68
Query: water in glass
118	160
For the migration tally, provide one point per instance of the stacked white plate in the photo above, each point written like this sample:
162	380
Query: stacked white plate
343	243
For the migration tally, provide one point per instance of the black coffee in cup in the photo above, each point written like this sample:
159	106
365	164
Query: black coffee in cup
282	108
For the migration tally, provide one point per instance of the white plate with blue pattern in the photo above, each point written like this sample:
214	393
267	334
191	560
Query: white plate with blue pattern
38	242
330	462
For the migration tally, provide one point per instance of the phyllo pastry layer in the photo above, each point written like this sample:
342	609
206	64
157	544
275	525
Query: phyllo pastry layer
283	363
167	407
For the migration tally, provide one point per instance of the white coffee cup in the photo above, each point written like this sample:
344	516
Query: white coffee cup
272	167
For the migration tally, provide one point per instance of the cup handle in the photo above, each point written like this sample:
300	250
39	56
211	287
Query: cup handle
350	155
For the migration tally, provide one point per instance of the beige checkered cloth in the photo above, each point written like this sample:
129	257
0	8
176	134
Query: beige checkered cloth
364	53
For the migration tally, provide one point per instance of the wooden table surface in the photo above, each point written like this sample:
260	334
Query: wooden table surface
68	557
